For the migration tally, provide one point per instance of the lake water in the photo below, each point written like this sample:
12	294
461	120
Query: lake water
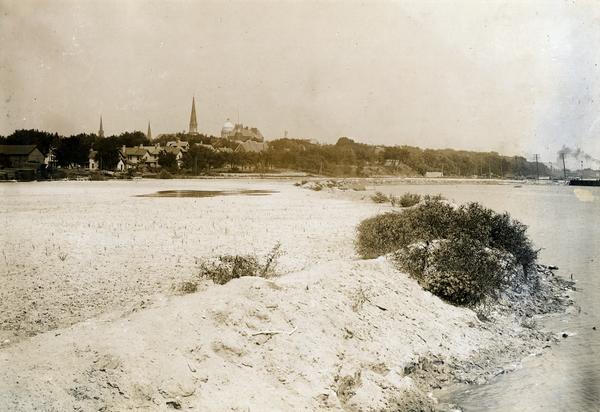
207	193
565	222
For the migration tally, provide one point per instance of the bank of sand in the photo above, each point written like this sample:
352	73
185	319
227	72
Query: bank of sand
331	332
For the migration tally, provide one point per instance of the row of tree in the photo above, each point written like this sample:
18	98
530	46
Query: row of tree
344	158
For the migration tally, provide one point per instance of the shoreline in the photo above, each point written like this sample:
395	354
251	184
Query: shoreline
380	179
517	318
345	353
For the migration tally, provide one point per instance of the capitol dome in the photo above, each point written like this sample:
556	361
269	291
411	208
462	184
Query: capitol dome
227	127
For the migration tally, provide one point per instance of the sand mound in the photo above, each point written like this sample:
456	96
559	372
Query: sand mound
338	335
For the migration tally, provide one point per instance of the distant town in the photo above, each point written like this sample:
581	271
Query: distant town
35	154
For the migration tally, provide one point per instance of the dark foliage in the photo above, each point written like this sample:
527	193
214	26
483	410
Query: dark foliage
201	158
167	160
107	153
379	197
461	270
461	254
164	174
74	150
230	267
345	158
43	140
407	200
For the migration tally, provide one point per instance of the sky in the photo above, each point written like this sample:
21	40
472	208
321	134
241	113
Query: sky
518	77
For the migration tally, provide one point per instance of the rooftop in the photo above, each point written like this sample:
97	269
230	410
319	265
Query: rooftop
16	150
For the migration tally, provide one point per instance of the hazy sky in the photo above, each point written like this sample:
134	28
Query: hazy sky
519	77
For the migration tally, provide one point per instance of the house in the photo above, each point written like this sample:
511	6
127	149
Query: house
252	146
183	145
150	158
50	159
434	174
146	156
239	132
93	163
178	152
21	156
132	156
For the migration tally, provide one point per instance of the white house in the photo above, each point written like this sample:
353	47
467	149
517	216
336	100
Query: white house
93	163
434	174
132	156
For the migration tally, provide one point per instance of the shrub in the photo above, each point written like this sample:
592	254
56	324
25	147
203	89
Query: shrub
407	200
388	232
382	234
187	286
164	174
228	267
97	176
511	235
434	197
461	254
460	270
379	197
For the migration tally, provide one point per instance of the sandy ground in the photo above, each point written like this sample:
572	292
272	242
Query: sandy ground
102	330
73	250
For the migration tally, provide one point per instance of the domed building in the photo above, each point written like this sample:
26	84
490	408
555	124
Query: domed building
227	128
240	133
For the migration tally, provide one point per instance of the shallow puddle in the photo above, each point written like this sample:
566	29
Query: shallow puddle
207	193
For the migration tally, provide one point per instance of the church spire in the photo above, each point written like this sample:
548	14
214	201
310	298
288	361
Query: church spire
149	134
193	122
101	131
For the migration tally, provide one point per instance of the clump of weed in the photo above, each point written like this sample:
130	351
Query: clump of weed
407	200
187	286
270	266
228	267
379	197
224	268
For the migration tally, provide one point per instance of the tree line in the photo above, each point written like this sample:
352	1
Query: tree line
344	158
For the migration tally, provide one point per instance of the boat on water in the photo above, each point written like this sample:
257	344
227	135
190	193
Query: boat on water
584	182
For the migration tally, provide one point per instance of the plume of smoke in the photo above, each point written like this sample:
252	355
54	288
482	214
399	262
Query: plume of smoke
576	154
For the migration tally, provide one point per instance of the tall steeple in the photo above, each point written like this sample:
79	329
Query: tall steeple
149	134
193	122
101	131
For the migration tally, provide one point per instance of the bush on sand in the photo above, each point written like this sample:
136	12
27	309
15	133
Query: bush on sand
228	267
379	197
224	268
461	254
406	200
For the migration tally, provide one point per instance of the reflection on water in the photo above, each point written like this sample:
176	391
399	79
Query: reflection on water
565	225
207	193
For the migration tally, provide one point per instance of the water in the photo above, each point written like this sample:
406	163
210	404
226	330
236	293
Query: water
565	222
207	193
